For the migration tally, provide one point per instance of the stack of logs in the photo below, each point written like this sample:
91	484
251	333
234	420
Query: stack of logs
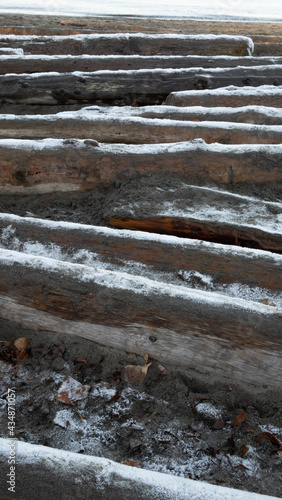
83	111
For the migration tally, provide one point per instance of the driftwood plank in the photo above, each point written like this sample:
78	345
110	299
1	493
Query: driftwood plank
145	85
226	264
69	63
71	165
233	97
131	130
127	44
197	330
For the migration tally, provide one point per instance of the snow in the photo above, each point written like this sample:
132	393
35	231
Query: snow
262	90
153	149
137	284
121	118
106	470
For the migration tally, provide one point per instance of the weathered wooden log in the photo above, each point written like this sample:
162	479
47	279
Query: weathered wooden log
233	97
131	130
260	115
85	62
72	165
218	232
197	330
268	49
145	85
127	44
167	255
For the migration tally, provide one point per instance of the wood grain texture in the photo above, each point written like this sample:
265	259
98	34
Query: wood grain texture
218	232
134	44
227	340
227	266
67	64
216	100
68	167
145	86
133	131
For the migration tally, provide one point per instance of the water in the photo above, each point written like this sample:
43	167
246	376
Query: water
209	9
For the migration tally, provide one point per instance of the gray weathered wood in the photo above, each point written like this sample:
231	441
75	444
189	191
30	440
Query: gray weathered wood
69	63
145	85
126	44
131	130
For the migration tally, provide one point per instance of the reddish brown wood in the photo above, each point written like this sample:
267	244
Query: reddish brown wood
204	230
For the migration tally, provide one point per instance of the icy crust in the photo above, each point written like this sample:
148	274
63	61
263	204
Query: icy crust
217	248
153	149
137	284
109	473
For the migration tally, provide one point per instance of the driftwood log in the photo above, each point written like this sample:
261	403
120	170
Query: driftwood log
126	44
131	130
72	165
232	338
226	264
126	86
270	96
85	62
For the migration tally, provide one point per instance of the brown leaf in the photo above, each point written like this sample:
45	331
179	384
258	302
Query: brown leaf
114	397
265	302
146	358
163	370
239	419
71	390
21	344
241	466
244	449
269	436
218	424
81	360
132	463
57	351
134	373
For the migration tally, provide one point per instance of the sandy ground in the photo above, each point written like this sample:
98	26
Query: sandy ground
171	422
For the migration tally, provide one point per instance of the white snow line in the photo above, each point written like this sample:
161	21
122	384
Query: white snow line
137	284
154	149
110	474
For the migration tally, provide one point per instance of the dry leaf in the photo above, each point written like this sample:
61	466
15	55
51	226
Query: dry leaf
239	419
132	463
146	358
269	436
21	344
218	424
71	390
244	449
265	302
134	373
163	370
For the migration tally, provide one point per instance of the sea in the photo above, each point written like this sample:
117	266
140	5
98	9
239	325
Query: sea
241	10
